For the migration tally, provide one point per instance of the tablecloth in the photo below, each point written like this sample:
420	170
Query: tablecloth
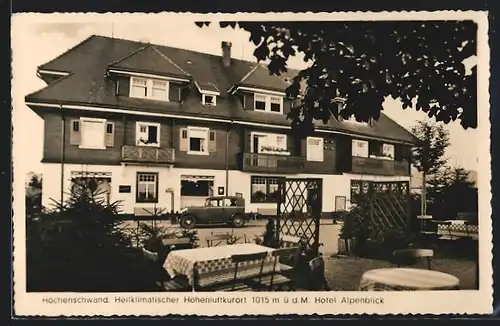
407	279
214	264
455	229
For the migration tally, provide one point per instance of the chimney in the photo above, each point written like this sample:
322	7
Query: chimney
226	54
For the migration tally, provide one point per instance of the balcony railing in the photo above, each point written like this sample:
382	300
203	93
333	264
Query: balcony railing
272	163
146	154
380	166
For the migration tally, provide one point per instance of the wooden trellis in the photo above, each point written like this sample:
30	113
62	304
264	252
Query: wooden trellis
299	210
385	205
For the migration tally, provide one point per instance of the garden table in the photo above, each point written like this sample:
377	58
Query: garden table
407	279
214	264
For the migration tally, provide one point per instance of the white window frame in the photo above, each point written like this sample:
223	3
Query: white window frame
138	125
149	88
267	100
391	157
355	143
207	139
203	101
82	132
148	184
322	152
263	134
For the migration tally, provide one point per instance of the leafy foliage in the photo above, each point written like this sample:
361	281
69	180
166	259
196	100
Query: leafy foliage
269	237
420	63
433	139
450	192
33	196
80	246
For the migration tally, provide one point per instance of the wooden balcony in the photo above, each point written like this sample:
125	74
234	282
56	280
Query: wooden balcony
272	163
378	166
144	154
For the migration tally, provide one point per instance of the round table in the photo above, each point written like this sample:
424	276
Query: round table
407	279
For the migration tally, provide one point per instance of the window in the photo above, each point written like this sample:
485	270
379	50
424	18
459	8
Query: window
156	89
92	133
208	99
139	87
148	134
260	102
214	203
276	104
359	148
198	140
268	103
268	143
265	189
147	187
159	91
388	151
315	150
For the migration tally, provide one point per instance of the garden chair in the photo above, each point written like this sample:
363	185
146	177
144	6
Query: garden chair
217	238
237	283
290	241
317	280
284	277
406	257
177	284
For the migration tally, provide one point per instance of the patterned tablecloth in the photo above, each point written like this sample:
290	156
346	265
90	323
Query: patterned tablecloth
407	279
214	264
454	229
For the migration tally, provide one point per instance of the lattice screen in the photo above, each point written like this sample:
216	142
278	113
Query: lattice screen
299	210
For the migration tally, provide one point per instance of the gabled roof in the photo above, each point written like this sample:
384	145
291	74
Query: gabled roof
258	77
149	59
89	61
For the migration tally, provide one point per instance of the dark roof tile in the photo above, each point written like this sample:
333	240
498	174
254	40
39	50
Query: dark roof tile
149	60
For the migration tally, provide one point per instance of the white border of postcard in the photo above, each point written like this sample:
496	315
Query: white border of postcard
302	303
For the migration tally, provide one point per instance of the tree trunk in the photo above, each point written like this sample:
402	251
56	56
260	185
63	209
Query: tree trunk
423	197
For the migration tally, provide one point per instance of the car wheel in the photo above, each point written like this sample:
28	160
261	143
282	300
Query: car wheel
238	221
187	222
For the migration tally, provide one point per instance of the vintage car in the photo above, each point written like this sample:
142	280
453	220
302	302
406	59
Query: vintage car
217	210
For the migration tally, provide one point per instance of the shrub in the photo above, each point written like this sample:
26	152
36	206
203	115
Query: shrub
79	246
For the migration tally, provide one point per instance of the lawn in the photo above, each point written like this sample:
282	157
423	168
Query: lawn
344	273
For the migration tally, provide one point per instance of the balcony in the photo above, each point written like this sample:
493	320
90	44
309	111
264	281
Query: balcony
144	154
379	166
272	163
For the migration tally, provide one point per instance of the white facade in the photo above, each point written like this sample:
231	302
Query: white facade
169	185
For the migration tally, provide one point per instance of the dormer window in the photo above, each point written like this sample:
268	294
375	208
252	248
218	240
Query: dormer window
155	89
268	103
208	99
209	92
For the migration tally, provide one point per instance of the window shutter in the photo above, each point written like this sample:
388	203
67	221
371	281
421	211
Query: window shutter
183	140
212	142
109	138
75	133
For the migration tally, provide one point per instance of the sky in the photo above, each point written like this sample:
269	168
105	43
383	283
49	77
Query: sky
35	42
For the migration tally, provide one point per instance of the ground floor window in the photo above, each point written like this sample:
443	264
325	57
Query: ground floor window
197	188
264	189
147	187
96	187
358	189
